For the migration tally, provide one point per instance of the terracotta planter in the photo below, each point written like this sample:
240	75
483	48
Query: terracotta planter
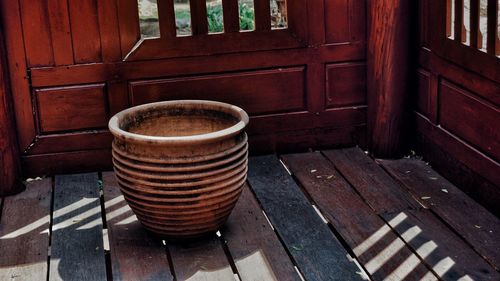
181	165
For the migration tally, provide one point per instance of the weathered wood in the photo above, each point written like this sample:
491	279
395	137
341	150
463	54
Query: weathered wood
469	219
375	245
388	76
254	246
316	251
77	251
24	235
200	260
135	254
9	153
378	189
440	248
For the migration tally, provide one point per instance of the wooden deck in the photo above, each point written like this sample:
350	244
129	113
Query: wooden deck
330	215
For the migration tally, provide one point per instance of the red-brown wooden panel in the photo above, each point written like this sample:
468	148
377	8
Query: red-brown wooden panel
85	30
257	92
468	117
36	32
346	84
345	20
60	31
72	108
423	93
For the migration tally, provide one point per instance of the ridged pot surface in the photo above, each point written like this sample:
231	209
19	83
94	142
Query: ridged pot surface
181	165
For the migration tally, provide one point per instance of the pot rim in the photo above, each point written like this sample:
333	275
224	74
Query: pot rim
240	114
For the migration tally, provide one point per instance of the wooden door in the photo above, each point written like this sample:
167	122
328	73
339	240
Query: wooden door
76	63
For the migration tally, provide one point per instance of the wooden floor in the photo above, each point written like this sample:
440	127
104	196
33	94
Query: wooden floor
330	215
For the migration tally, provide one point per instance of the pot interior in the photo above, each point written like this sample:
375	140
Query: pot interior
177	122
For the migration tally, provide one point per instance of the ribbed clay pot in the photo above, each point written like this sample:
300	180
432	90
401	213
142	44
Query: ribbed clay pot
181	165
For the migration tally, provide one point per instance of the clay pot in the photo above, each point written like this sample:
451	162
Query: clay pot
181	165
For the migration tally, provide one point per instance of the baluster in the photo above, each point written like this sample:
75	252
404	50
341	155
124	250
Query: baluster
460	35
475	34
492	26
199	22
166	15
230	9
262	15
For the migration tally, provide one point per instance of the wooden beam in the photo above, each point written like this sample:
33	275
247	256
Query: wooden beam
10	170
388	71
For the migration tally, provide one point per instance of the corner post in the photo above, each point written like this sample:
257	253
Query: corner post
10	168
388	76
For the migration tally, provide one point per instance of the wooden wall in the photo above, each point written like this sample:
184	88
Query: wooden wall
457	110
72	67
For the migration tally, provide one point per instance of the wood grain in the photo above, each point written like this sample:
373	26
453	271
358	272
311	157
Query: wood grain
378	189
367	234
24	237
200	260
135	254
77	251
9	153
469	219
254	245
346	84
85	31
316	251
388	76
72	108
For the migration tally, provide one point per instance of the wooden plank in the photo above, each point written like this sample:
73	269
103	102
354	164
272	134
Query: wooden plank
85	31
469	219
200	260
135	254
316	251
109	30
262	10
60	31
24	236
230	9
77	251
378	189
375	245
36	31
254	246
480	128
199	21
440	248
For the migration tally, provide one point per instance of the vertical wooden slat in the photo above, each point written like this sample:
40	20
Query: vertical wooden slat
492	26
231	16
262	15
166	15
109	31
199	21
60	32
85	31
475	34
130	31
459	23
36	33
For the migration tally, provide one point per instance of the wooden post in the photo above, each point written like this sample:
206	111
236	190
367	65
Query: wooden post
10	171
387	75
